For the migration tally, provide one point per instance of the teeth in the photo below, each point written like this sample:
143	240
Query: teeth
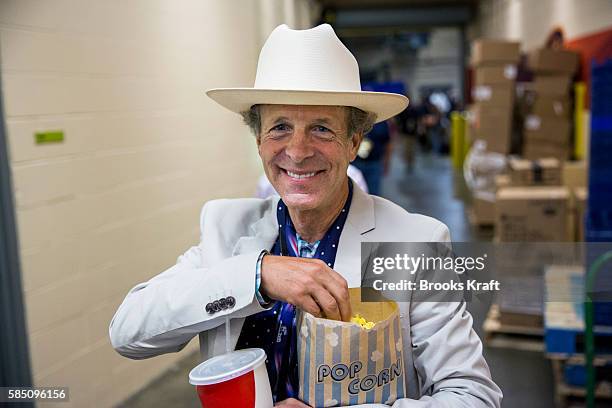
300	176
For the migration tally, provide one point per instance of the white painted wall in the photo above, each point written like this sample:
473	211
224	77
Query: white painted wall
297	14
530	21
119	199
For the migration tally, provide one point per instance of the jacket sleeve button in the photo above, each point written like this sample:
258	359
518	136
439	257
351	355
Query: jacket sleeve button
216	306
231	301
223	303
209	308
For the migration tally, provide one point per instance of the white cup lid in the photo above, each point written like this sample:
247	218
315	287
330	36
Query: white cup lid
226	366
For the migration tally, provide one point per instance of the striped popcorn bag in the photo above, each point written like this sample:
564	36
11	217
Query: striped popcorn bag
342	363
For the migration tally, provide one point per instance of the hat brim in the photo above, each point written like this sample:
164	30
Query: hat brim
383	104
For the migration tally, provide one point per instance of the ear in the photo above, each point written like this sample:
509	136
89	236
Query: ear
354	143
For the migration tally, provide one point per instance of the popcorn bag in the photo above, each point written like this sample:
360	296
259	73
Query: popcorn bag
345	363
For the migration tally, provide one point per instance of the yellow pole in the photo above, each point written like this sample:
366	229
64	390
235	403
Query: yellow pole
457	136
579	121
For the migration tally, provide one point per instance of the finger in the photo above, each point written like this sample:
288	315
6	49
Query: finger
340	293
327	303
338	288
309	305
295	403
290	403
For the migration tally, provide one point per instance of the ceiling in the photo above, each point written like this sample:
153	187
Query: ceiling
353	4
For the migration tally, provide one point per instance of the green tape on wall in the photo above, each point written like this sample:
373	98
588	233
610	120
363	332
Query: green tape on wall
54	136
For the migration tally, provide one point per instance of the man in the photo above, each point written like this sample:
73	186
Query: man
260	260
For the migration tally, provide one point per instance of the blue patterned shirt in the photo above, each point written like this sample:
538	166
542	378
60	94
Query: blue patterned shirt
274	330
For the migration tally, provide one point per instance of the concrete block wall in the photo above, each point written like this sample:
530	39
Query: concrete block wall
118	200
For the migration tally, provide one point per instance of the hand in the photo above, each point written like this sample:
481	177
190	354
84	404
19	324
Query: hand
291	403
308	284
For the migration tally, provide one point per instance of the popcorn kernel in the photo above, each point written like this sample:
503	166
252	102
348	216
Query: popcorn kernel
362	321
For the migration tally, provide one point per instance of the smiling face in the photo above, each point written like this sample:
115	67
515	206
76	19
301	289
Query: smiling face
305	151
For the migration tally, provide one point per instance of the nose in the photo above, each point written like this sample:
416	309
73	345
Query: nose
299	147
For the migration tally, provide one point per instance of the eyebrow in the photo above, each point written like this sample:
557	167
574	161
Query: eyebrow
321	120
281	119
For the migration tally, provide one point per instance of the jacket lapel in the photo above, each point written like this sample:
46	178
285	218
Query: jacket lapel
264	231
359	222
263	234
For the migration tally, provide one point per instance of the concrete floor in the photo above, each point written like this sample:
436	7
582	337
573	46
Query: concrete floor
431	188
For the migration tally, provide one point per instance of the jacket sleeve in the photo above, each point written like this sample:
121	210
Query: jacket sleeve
448	356
164	314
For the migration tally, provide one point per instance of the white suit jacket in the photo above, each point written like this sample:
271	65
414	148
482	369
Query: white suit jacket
443	355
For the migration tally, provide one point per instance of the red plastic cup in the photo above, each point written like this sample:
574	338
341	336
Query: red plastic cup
238	379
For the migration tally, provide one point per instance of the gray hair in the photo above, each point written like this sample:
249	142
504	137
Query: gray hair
358	121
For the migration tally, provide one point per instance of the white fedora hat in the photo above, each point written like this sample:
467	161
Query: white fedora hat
308	67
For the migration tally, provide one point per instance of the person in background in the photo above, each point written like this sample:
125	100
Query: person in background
439	105
265	189
408	121
555	40
424	119
374	156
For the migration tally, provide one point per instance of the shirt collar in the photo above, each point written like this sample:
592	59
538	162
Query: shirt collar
296	242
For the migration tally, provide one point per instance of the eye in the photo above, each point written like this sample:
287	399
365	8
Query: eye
321	129
278	131
281	127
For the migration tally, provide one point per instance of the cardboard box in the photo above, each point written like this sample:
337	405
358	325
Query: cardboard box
521	319
552	85
547	129
495	74
497	139
577	206
553	61
531	214
482	213
484	115
580	195
493	125
575	174
486	52
502	180
551	106
546	172
542	104
498	95
538	149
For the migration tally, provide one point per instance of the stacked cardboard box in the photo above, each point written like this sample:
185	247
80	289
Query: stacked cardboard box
482	212
544	172
494	64
539	200
575	174
575	179
532	214
579	199
548	124
529	213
